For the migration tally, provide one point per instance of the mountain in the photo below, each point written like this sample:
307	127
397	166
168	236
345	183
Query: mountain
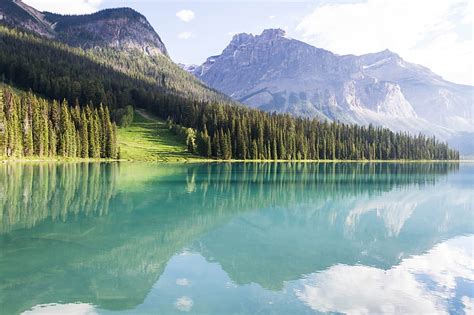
121	28
63	56
86	60
273	72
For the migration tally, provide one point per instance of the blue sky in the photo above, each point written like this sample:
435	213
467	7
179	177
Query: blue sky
435	33
214	22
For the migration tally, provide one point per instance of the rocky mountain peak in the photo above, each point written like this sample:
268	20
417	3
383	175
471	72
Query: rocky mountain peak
267	35
15	13
272	33
121	28
240	38
275	73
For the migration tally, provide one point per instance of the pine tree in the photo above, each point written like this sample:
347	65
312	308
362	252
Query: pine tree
27	128
84	135
38	141
205	143
44	128
216	145
254	150
108	135
64	130
191	140
3	126
208	146
228	155
53	139
274	150
94	135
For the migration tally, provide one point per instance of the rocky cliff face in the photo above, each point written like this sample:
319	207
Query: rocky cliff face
276	73
121	28
15	13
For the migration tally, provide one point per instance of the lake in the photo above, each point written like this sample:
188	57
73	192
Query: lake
242	238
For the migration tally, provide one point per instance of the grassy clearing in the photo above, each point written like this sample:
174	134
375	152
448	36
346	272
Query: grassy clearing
148	139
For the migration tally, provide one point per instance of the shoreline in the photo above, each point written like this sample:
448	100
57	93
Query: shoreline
189	161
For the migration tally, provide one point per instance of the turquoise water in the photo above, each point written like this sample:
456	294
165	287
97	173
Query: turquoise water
269	238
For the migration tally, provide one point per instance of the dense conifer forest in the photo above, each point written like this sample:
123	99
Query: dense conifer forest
215	126
32	126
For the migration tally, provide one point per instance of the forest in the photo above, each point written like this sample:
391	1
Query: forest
216	126
32	126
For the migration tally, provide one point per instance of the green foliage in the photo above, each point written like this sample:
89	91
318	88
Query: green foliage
3	126
124	116
36	127
217	127
241	133
148	139
98	75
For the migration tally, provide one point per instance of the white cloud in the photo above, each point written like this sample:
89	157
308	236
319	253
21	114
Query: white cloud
185	15
185	35
184	304
421	284
421	31
72	6
271	17
468	303
182	281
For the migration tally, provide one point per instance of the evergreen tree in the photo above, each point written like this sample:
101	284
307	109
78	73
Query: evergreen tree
27	128
38	141
32	126
3	126
84	135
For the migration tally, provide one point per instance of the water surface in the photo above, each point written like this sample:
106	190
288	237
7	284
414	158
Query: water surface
269	238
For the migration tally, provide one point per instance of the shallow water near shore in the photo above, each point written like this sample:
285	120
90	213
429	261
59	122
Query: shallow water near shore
236	238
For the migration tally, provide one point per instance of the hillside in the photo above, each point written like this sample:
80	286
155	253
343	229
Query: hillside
149	139
96	57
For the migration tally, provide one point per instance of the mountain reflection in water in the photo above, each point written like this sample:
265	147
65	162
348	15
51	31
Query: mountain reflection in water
112	236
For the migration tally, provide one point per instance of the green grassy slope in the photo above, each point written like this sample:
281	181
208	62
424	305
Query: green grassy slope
149	139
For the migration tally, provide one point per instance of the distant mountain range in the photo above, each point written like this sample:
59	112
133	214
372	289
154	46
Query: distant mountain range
273	72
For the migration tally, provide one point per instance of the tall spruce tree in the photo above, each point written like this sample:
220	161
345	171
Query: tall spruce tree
84	135
3	126
27	127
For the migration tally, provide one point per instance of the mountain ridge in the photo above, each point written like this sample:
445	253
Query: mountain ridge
122	28
273	72
119	76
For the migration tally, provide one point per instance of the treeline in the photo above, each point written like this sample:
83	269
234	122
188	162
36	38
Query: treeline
32	126
234	132
215	127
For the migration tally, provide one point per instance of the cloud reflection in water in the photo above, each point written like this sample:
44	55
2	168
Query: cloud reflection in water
424	284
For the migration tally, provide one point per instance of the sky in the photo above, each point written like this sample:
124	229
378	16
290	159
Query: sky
435	33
